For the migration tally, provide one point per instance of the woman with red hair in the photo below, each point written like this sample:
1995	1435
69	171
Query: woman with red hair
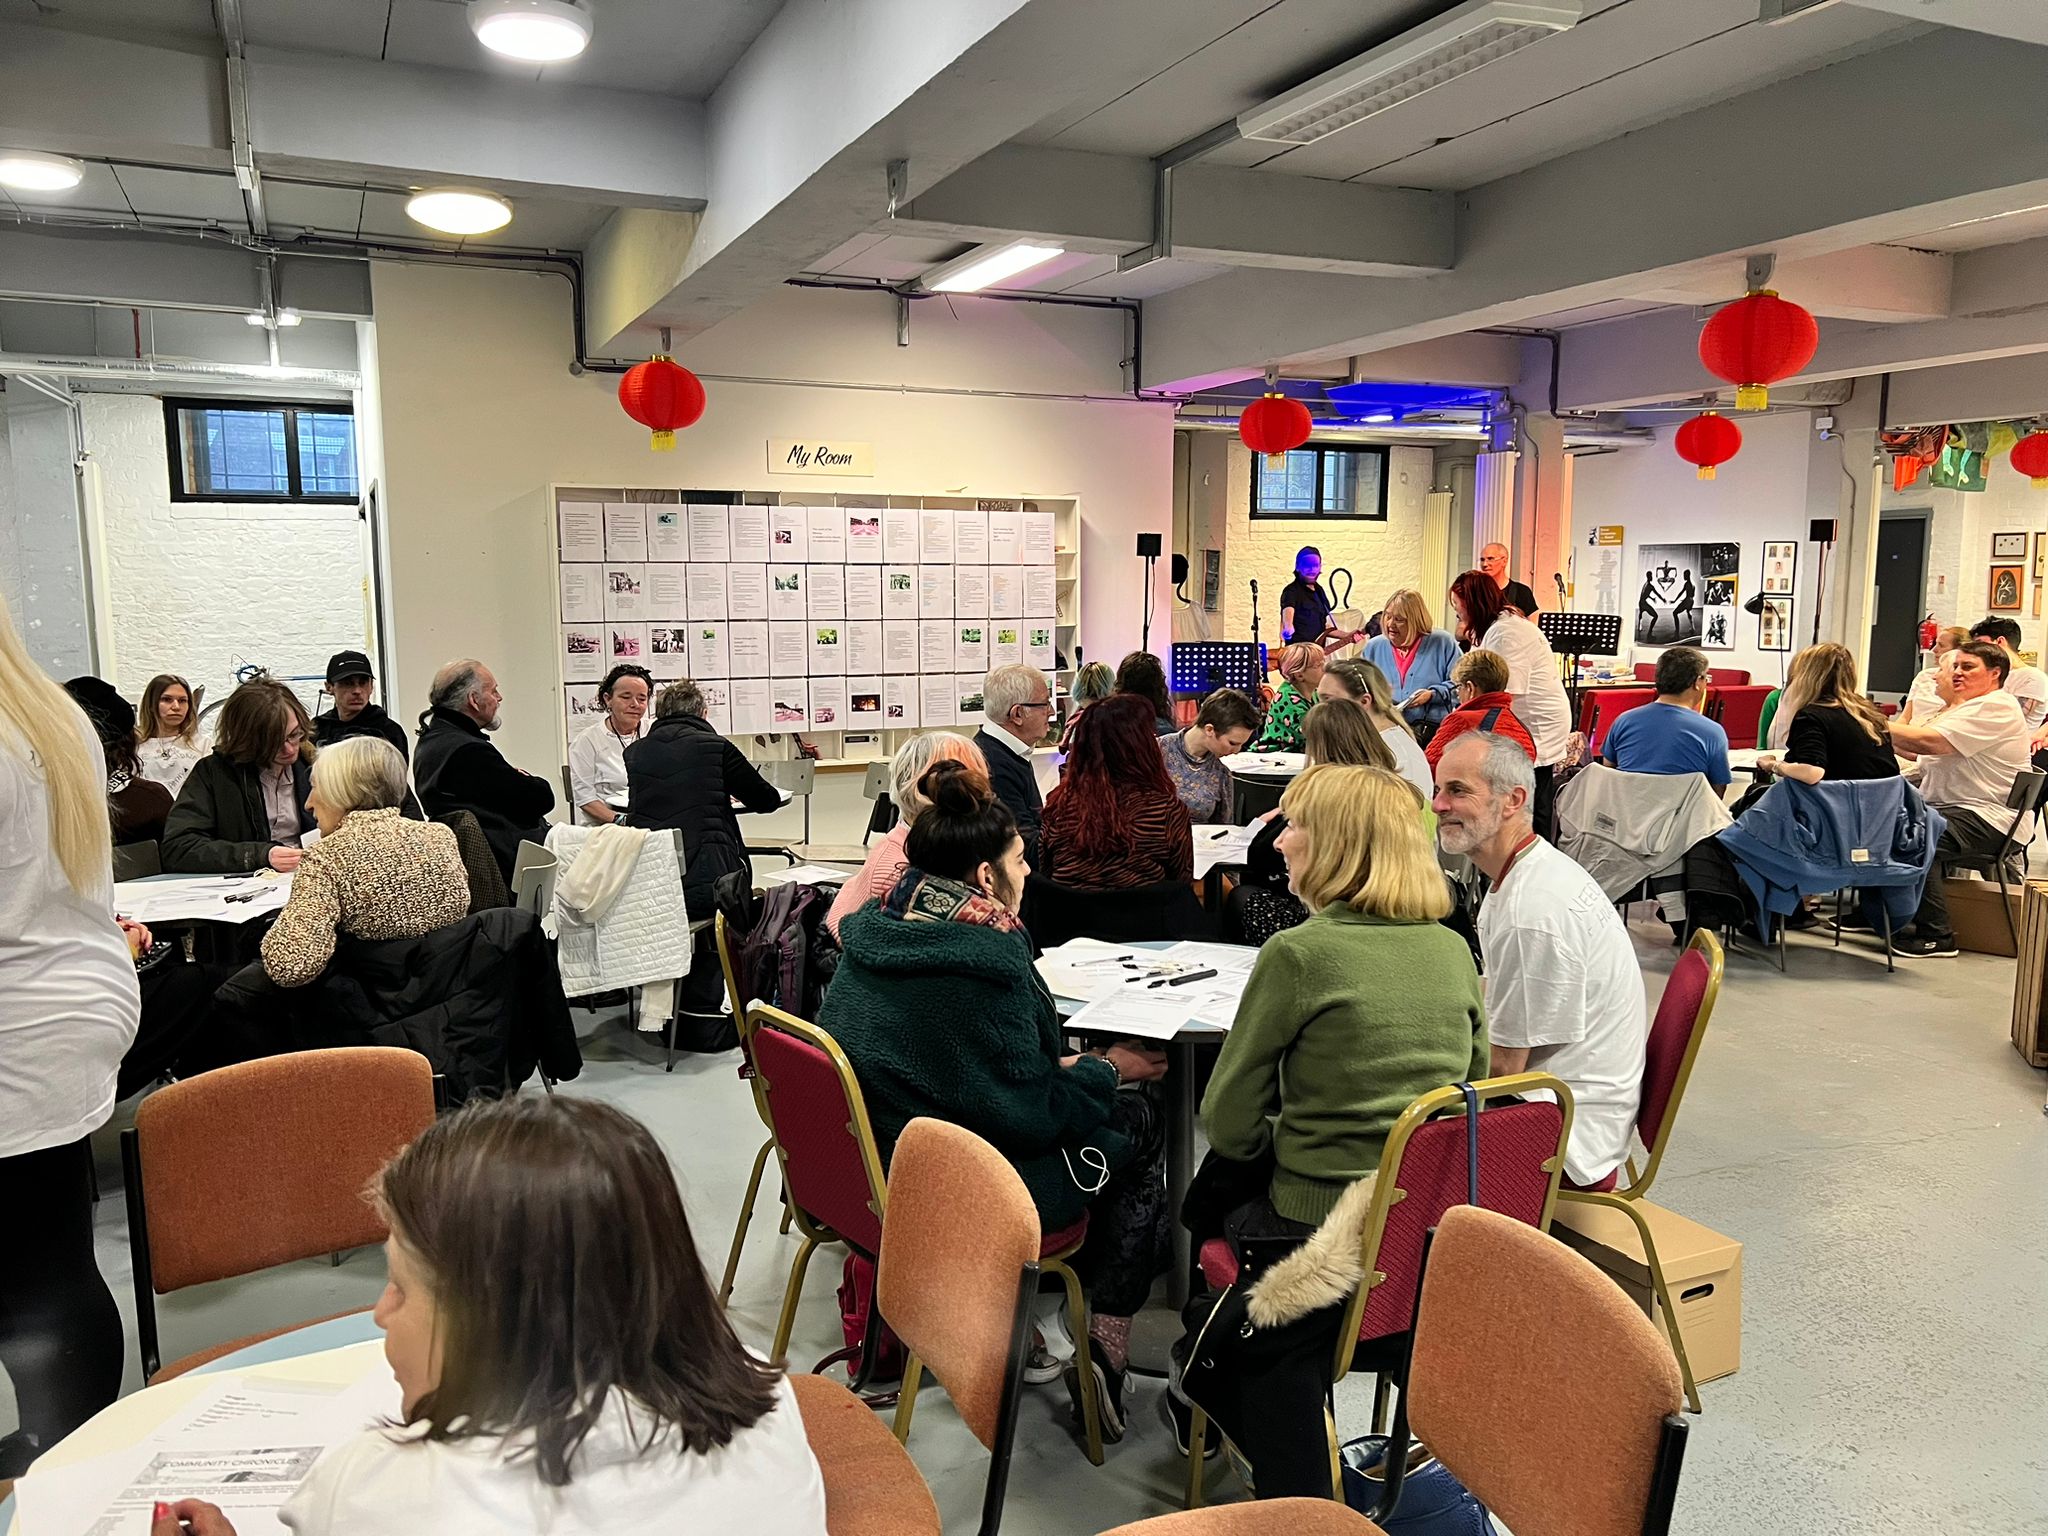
1486	622
1115	821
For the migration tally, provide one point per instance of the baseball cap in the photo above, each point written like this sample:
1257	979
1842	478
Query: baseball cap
347	664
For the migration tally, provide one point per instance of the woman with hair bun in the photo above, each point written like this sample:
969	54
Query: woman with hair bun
938	1006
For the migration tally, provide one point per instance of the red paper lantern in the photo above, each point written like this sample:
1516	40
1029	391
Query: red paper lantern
2030	457
1755	342
1707	440
1273	425
663	396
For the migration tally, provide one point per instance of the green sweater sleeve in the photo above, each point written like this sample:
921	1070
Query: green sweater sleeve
1245	1091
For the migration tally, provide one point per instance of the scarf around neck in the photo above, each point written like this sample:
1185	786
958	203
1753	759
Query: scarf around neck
922	898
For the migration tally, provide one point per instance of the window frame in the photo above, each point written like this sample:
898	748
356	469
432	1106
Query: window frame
174	444
1321	514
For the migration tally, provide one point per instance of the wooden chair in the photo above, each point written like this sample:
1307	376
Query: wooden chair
1422	1174
1538	1385
1672	1048
258	1164
1268	1517
744	1019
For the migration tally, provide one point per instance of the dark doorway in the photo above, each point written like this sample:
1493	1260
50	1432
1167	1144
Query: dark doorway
1901	591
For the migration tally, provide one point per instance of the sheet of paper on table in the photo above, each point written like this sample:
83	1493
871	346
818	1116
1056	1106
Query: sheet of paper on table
1079	967
1276	764
202	898
1222	845
1145	1004
807	874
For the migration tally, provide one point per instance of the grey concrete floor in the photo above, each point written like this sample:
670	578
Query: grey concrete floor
1872	1139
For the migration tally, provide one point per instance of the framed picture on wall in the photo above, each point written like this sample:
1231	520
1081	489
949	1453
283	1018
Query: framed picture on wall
1774	624
2008	546
1781	568
2004	594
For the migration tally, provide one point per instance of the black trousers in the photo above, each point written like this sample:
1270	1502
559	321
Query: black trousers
1543	810
1967	835
60	1336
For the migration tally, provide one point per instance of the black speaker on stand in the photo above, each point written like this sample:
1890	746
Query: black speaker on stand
1148	551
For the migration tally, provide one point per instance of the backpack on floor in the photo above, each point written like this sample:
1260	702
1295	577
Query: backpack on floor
856	1301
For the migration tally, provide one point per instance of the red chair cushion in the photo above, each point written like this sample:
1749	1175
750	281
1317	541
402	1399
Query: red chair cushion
1065	1238
1678	1013
1742	709
811	1110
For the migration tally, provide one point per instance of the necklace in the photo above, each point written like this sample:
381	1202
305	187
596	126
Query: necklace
1514	858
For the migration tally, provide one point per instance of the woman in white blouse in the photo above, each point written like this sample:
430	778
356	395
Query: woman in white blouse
597	757
1485	621
167	733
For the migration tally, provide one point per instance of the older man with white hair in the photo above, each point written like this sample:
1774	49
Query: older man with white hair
1017	700
1563	992
457	768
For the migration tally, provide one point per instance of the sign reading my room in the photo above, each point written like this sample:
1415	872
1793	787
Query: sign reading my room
813	456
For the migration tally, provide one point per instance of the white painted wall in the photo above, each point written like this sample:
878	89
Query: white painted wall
199	588
1959	545
481	415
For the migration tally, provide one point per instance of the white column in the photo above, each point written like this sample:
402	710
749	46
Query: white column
1493	501
1435	576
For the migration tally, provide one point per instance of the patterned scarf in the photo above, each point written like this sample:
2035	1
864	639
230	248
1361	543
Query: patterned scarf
922	898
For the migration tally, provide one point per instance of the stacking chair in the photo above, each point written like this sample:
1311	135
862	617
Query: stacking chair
254	1165
798	777
533	879
1269	1517
2024	798
832	1172
133	861
1422	1174
744	1019
1538	1385
1674	1044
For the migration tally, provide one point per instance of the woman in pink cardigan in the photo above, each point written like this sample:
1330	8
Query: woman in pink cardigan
887	860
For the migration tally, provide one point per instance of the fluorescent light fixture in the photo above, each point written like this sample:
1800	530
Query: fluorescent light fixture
254	317
1463	39
28	170
285	320
459	210
987	265
1380	419
535	31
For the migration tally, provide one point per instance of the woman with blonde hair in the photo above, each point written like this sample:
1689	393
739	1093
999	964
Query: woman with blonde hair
1416	657
244	807
69	1006
167	735
1092	684
1301	669
1363	684
887	860
1835	732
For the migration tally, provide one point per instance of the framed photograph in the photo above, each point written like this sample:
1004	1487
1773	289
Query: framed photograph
1781	568
2040	558
2008	546
1774	625
2005	588
1668	608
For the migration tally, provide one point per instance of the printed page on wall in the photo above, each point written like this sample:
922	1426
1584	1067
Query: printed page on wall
899	591
710	538
864	703
584	648
1005	536
970	591
935	591
1006	643
580	530
746	591
668	532
752	707
786	592
1038	537
629	644
899	703
1038	646
828	535
936	702
667	597
668	650
582	593
970	647
828	650
899	649
935	645
828	703
970	538
580	710
748	528
789	649
967	699
625	591
899	535
863	529
1041	593
625	532
708	657
747	647
718	705
789	706
825	591
706	584
789	535
863	646
935	537
1005	592
863	591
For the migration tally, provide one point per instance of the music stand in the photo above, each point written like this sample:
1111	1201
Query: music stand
1202	666
1576	635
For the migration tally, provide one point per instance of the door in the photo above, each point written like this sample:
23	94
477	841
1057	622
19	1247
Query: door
1901	593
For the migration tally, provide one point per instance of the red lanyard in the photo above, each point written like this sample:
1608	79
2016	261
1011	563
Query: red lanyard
1520	848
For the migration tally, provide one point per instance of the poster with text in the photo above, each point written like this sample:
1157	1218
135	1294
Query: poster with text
666	598
718	707
1041	593
1668	594
899	703
970	647
582	593
584	653
668	533
1038	646
625	591
789	706
1038	537
706	589
935	645
580	530
746	645
828	535
748	527
863	646
935	591
628	644
828	703
899	649
710	537
828	650
863	591
1005	592
753	711
970	591
936	702
789	535
708	656
668	650
746	591
935	537
786	592
1006	642
580	710
970	538
1597	576
863	530
864	703
899	591
899	535
625	532
825	591
1006	537
789	649
967	699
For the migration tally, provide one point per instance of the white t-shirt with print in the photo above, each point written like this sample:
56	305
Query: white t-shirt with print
1989	734
1563	984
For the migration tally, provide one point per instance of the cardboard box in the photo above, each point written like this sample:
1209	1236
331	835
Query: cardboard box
1973	913
2030	980
1702	1268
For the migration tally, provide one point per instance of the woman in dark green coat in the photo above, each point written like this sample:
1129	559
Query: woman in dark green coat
938	1006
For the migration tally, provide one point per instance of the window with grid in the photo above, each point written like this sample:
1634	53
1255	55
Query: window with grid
1321	482
244	450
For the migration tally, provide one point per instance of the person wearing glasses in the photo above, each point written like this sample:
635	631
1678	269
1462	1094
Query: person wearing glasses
1018	703
244	806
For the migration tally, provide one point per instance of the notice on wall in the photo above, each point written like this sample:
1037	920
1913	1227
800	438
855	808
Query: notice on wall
935	537
820	456
747	647
748	529
580	529
863	591
899	703
668	650
1038	646
625	591
706	591
899	649
828	535
1038	537
970	591
710	537
667	597
789	534
718	705
708	656
970	538
899	535
863	531
789	649
828	649
786	593
789	707
864	703
1006	643
899	591
935	645
628	644
936	702
970	647
1005	592
935	591
625	532
828	703
863	646
825	591
752	711
583	652
1006	536
967	699
668	533
746	591
1041	593
582	593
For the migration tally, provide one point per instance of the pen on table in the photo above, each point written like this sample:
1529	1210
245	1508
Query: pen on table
1181	981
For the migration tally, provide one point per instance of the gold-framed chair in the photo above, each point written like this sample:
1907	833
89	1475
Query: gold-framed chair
1423	1173
743	1021
1672	1048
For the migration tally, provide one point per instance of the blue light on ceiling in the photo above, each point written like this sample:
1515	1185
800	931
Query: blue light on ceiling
1356	402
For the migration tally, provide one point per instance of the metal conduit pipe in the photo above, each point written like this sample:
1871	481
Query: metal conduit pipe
146	370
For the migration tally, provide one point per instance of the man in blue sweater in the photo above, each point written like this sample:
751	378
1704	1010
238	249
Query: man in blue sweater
1670	735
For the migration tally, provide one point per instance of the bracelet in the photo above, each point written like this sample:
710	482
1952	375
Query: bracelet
1114	1070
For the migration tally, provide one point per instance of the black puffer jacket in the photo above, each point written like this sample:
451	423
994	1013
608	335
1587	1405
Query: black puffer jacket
683	775
219	825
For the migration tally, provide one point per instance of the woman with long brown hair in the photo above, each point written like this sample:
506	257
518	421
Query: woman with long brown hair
244	807
1836	732
1141	676
1488	623
167	734
1115	820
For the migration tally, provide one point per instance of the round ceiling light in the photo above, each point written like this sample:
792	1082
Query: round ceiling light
28	170
536	31
458	210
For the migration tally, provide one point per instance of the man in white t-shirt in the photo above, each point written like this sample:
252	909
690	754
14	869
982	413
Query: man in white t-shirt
2027	684
1563	991
1969	754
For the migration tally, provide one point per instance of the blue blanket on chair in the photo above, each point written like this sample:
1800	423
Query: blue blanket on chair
1876	835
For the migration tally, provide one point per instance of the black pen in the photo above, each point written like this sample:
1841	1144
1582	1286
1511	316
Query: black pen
1214	835
1181	981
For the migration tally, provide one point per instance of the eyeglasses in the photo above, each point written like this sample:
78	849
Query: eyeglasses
294	736
1036	704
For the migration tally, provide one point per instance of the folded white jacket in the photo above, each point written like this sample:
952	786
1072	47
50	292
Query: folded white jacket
642	929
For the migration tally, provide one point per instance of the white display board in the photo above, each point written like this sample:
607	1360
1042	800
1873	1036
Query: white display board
804	611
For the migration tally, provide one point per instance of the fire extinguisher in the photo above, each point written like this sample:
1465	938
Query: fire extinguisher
1928	630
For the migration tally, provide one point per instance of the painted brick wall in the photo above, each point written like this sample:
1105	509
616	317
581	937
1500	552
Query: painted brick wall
200	588
1959	545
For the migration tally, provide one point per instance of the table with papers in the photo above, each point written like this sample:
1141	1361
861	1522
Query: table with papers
1222	847
155	899
1266	765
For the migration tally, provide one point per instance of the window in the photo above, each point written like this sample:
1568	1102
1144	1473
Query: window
245	450
1322	482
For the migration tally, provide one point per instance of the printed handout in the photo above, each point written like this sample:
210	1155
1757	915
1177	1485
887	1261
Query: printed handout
935	591
1038	540
786	592
708	656
1038	646
1005	592
789	534
746	591
863	531
899	591
625	531
899	703
899	535
825	591
748	527
583	653
706	585
935	645
629	644
863	647
899	649
667	599
970	591
863	591
625	591
1005	642
935	701
710	538
580	532
935	537
970	538
828	535
668	533
864	703
1041	593
1006	537
752	712
582	593
668	648
970	647
828	649
789	707
967	699
828	703
746	647
789	650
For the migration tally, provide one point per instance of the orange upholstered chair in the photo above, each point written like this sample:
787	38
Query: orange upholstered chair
255	1165
1269	1517
872	1487
1539	1385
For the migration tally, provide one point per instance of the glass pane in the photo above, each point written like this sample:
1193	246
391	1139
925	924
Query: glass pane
327	454
1291	487
231	452
1340	482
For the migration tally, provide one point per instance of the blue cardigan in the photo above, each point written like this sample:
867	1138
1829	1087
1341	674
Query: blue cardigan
1877	835
1431	669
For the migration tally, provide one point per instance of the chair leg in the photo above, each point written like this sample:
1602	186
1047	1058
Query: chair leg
1198	1446
787	1212
1084	1365
1382	1403
739	1233
1838	919
1336	1450
779	1354
1884	916
2005	905
906	1397
1664	1301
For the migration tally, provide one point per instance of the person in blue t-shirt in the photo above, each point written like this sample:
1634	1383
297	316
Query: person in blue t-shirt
1671	735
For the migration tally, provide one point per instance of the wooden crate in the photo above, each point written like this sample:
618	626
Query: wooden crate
2030	978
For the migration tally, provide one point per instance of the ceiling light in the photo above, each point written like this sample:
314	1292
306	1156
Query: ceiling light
254	317
458	210
1461	40
537	31
287	318
28	170
987	265
1381	419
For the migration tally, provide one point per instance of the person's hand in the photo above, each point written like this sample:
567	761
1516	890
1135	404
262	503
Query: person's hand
1416	699
139	941
285	860
1134	1065
1768	762
189	1517
1068	1061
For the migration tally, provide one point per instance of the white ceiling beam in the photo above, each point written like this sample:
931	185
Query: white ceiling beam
127	268
1606	222
1872	282
75	94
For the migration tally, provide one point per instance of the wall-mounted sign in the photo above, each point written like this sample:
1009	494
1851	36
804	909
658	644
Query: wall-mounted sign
819	456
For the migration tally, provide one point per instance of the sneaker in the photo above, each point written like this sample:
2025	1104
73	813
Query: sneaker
1109	1396
1042	1366
1180	1417
1921	948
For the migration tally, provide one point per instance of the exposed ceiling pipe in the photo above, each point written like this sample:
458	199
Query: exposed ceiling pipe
228	17
341	381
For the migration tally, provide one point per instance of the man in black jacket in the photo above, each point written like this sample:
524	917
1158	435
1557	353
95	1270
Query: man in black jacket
351	682
457	769
1018	703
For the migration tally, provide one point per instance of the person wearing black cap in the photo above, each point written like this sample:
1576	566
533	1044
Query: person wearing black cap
351	682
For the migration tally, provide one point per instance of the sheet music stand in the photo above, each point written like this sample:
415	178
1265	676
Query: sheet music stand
1202	666
1576	635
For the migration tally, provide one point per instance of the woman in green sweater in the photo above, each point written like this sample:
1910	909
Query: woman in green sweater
938	1006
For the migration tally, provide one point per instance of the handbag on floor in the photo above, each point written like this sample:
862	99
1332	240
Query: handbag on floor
1433	1503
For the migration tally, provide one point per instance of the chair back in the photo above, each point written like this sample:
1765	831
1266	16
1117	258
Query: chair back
875	785
797	775
533	878
1601	707
1264	1517
132	861
823	1138
487	886
961	1231
1674	1043
1539	1384
1055	913
1423	1173
2024	796
1722	677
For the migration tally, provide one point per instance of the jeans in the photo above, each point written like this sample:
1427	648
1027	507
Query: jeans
1967	836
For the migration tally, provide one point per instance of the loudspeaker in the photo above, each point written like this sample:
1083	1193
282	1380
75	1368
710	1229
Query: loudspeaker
1821	530
1148	544
1180	569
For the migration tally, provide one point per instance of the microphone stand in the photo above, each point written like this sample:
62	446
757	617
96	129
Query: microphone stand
1255	612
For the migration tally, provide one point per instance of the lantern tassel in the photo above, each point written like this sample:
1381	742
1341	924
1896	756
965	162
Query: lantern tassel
1276	461
2041	482
1706	472
1752	397
664	442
